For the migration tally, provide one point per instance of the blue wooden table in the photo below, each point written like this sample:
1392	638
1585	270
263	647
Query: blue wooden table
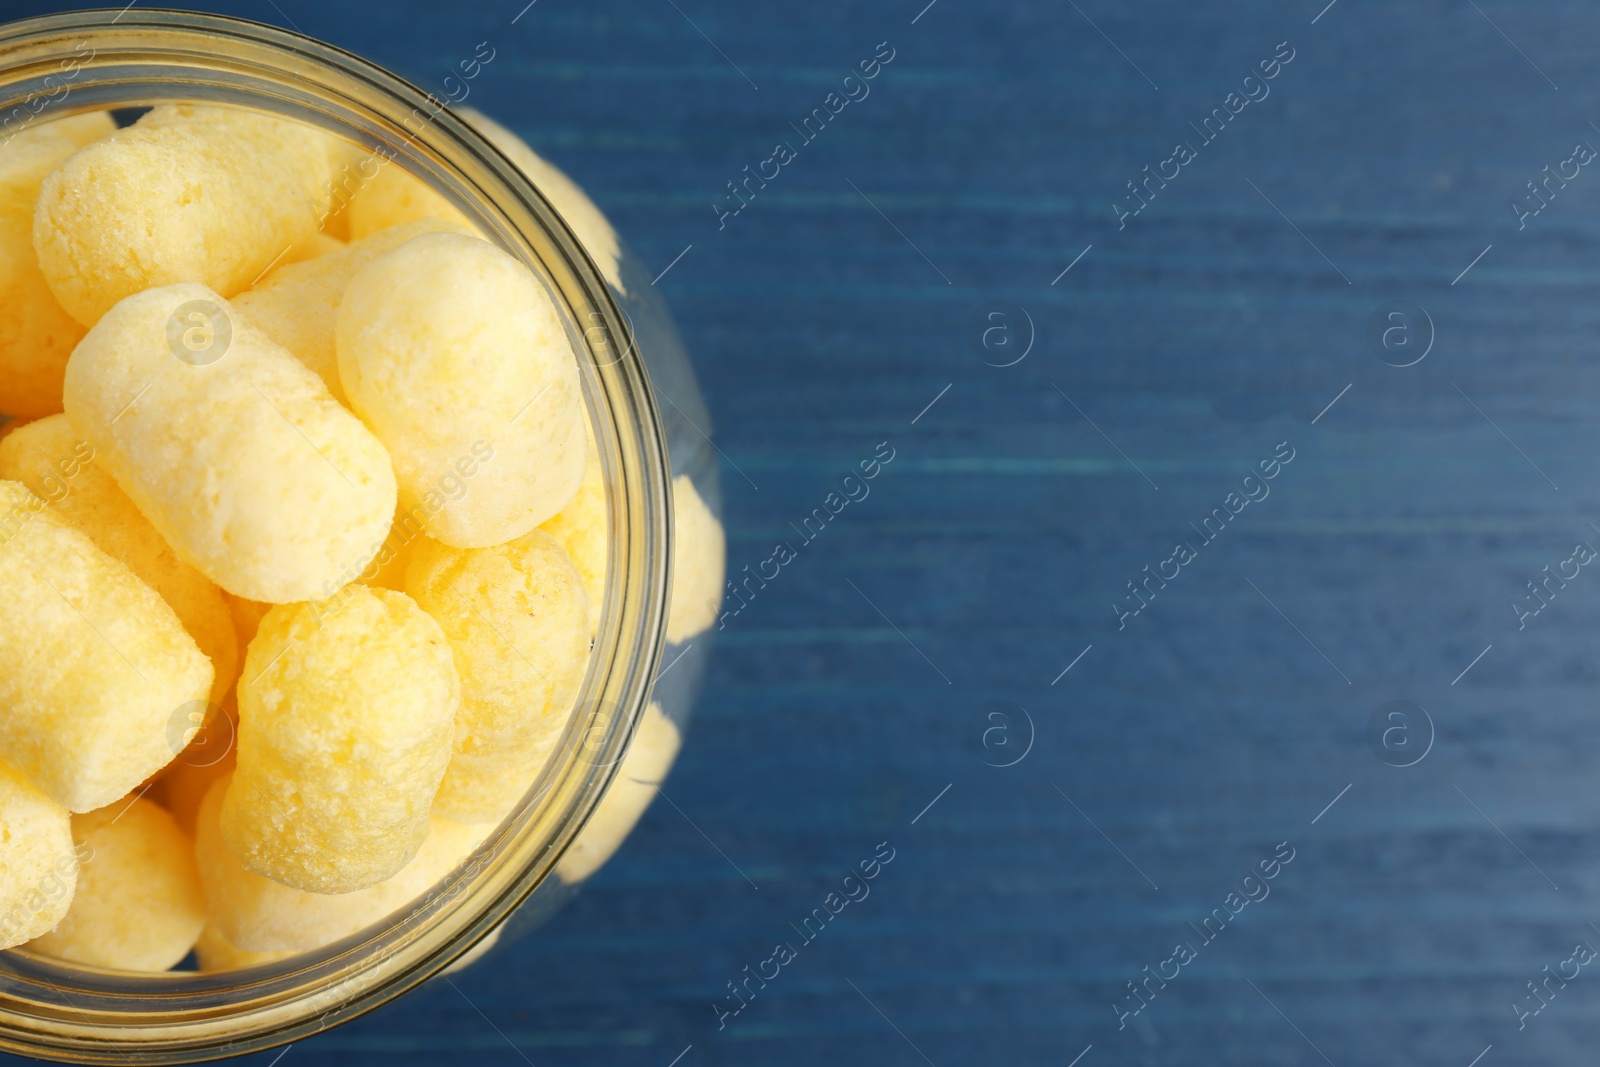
1178	763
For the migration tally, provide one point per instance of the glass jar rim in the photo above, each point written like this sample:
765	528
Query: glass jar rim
139	57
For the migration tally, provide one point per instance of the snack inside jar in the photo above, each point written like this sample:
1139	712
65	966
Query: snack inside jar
303	528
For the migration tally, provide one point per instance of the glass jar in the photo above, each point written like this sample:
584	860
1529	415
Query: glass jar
630	355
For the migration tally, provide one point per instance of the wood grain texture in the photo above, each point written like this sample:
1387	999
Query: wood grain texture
1177	353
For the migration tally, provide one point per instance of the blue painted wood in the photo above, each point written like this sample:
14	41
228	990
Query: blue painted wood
1177	752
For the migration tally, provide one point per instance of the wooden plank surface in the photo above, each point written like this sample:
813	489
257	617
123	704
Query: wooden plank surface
1172	358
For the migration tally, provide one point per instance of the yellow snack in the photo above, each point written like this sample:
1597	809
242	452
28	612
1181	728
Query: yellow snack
650	756
80	130
183	783
314	246
517	620
41	864
394	196
139	906
36	333
588	225
699	564
387	567
476	952
216	953
50	458
11	426
190	193
346	711
233	450
349	164
260	915
297	305
93	664
583	528
454	355
247	616
337	223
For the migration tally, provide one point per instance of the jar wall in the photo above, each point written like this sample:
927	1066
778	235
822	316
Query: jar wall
650	424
